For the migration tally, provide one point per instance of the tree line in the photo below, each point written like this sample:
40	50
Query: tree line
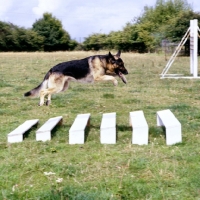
46	34
166	20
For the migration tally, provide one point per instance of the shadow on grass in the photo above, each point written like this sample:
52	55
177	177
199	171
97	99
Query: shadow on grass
119	129
27	133
87	130
122	128
55	130
73	192
66	129
155	131
35	128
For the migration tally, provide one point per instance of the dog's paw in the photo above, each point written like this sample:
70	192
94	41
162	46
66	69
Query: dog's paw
115	82
48	102
40	103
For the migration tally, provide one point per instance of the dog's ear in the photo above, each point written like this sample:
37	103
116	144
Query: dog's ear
110	55
118	54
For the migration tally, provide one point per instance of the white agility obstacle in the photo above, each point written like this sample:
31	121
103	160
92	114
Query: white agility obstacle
140	128
108	135
192	32
172	126
108	128
77	130
17	134
44	132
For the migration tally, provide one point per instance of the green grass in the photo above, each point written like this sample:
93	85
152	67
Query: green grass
96	171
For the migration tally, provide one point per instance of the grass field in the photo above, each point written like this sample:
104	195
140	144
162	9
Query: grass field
96	171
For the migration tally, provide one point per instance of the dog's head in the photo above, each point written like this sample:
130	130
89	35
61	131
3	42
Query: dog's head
117	65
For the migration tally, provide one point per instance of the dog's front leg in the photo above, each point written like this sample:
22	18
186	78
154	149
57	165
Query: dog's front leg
107	78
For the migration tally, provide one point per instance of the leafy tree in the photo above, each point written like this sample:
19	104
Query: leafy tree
95	42
8	39
50	37
155	21
123	40
180	24
14	38
72	45
29	40
146	31
55	37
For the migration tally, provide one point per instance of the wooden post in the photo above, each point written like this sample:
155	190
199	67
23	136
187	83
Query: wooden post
194	47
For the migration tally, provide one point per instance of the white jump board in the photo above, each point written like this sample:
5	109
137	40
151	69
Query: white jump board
108	128
77	130
44	132
140	129
172	125
17	134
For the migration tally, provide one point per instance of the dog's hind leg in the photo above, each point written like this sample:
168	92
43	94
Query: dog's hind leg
48	102
43	93
48	92
65	87
56	84
42	96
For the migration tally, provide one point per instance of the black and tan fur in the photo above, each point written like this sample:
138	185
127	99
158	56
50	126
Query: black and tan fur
90	69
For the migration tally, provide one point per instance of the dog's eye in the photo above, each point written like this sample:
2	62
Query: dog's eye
113	62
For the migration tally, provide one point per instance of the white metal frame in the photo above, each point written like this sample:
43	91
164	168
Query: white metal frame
192	32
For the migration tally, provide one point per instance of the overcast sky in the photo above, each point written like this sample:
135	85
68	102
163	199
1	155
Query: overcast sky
80	18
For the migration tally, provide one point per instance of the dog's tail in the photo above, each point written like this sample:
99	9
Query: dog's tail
36	91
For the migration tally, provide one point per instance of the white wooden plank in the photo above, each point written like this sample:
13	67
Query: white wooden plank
44	132
17	134
140	129
173	127
77	130
108	128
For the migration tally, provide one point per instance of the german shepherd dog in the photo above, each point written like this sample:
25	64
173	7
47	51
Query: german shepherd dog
88	70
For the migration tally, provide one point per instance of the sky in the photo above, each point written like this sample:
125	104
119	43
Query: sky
80	18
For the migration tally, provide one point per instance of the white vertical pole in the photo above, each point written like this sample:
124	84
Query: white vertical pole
195	61
191	46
